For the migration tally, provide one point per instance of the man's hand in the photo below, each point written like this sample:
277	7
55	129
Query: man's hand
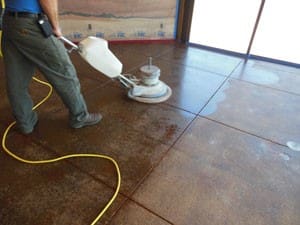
50	8
57	32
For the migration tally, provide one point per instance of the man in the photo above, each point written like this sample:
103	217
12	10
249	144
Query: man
25	48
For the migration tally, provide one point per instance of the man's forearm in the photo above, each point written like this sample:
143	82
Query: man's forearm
50	8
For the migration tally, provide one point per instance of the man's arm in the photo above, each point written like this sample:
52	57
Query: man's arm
50	8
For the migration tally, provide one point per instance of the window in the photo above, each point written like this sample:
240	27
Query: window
224	24
278	33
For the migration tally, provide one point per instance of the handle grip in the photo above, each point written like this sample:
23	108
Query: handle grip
74	46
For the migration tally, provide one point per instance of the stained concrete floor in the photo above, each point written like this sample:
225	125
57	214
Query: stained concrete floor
214	153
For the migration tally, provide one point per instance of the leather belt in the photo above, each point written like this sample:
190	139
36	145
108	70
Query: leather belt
22	14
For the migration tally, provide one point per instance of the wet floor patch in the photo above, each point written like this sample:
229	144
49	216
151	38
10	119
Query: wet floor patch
254	72
293	146
285	156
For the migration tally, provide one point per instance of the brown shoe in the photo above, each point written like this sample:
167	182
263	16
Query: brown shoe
89	120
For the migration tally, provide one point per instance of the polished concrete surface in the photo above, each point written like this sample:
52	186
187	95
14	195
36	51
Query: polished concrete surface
214	153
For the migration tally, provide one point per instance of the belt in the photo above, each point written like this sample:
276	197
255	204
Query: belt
22	14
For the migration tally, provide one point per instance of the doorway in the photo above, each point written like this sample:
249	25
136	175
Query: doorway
265	29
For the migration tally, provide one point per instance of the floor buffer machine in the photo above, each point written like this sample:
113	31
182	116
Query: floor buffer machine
147	89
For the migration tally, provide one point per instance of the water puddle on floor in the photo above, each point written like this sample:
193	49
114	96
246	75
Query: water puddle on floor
220	97
285	156
295	146
254	72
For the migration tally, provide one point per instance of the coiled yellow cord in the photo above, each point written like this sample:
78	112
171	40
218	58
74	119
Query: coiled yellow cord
64	157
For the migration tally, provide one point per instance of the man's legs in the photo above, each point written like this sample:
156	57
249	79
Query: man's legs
55	64
51	57
19	73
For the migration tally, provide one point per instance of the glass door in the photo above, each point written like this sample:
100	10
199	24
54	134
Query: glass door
278	33
224	24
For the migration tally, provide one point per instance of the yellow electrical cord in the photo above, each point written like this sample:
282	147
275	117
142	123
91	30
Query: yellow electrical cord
64	157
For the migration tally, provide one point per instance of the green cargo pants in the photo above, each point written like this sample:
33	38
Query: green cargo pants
25	49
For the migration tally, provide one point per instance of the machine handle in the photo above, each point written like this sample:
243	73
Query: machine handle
74	46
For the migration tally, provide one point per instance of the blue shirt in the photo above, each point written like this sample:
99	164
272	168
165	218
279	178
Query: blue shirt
32	6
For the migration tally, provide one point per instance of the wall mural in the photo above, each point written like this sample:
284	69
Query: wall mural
118	19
